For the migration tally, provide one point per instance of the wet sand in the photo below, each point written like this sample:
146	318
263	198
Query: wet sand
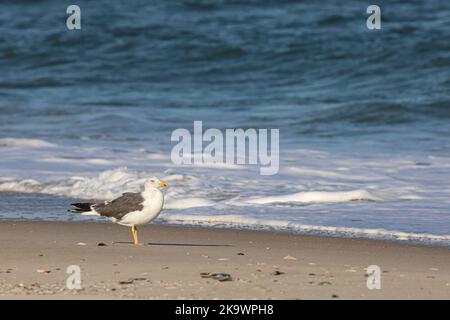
178	263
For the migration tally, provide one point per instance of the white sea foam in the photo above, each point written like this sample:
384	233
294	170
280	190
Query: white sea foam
241	221
340	174
317	197
82	161
24	186
174	177
112	183
106	186
29	143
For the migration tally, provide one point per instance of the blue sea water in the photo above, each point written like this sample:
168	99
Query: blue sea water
364	115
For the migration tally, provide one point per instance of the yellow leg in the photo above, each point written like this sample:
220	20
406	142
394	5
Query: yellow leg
135	236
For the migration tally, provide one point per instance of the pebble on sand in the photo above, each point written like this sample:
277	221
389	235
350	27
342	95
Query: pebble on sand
43	271
216	276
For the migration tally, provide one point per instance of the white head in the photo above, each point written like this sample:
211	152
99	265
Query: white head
154	183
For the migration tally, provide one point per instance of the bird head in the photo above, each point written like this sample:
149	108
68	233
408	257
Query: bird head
154	183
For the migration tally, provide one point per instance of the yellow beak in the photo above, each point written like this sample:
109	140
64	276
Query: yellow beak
163	184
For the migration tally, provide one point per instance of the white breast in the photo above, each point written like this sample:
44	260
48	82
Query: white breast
153	203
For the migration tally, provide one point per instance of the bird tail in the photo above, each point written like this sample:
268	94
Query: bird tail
83	208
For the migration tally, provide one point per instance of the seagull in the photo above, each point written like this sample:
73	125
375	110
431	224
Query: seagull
131	209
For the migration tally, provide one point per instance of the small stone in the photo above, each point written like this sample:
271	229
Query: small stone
222	277
277	273
289	258
334	296
43	271
240	254
216	276
81	244
101	244
139	279
323	283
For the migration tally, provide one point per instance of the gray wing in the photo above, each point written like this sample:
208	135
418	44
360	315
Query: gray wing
119	207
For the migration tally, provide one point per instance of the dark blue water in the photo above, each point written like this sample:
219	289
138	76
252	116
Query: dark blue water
311	68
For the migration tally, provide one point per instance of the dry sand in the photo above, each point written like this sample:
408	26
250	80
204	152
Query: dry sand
34	257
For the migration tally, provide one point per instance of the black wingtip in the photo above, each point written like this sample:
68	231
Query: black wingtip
81	207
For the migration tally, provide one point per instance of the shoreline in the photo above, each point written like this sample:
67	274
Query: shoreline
261	265
50	207
398	237
402	238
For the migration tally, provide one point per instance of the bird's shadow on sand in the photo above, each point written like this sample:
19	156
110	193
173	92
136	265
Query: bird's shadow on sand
177	244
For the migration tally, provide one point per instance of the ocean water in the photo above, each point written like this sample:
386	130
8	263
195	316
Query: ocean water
364	115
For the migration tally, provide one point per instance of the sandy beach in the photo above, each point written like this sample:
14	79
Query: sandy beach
34	257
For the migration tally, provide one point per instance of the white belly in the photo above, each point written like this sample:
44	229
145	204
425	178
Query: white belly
153	204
